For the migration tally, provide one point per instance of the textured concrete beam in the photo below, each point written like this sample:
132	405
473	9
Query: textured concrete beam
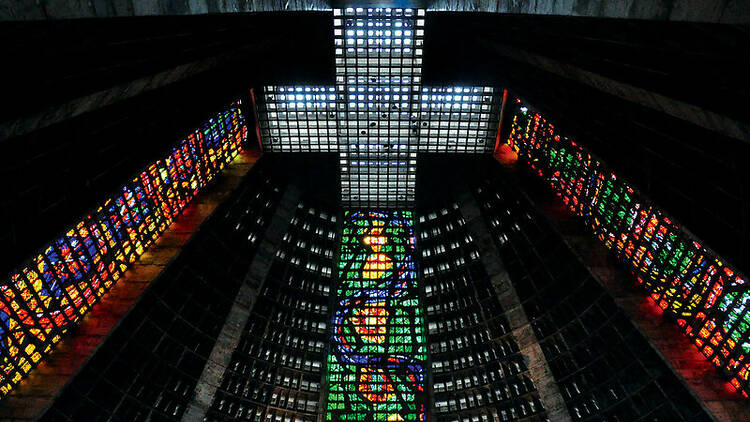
37	392
234	326
523	333
707	119
718	11
95	101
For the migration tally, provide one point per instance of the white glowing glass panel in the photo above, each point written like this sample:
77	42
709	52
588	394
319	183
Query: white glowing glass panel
377	115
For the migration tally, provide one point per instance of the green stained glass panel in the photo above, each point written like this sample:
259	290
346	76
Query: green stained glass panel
376	368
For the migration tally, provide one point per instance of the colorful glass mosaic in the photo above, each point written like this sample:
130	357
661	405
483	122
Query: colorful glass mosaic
48	295
709	300
376	368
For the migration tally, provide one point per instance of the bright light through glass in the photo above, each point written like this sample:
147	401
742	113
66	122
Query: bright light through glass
377	115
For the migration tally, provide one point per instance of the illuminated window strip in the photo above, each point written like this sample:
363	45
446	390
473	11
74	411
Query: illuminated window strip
710	300
305	119
48	295
376	367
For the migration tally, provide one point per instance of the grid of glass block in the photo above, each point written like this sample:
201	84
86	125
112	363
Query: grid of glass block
378	116
275	373
149	367
298	119
451	119
457	119
478	372
602	364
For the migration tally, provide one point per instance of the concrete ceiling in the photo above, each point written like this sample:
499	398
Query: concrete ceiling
716	11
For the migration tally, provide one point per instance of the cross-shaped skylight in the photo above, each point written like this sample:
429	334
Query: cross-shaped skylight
378	115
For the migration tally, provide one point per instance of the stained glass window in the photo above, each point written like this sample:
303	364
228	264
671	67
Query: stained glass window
49	294
376	366
709	299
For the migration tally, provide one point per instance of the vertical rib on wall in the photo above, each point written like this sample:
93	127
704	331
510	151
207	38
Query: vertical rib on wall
477	368
277	368
604	367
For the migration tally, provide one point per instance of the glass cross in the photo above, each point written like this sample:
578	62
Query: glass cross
378	115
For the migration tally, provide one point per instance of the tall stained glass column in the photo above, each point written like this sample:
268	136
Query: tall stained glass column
376	365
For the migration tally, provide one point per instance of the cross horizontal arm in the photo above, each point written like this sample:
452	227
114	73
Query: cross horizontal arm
434	119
